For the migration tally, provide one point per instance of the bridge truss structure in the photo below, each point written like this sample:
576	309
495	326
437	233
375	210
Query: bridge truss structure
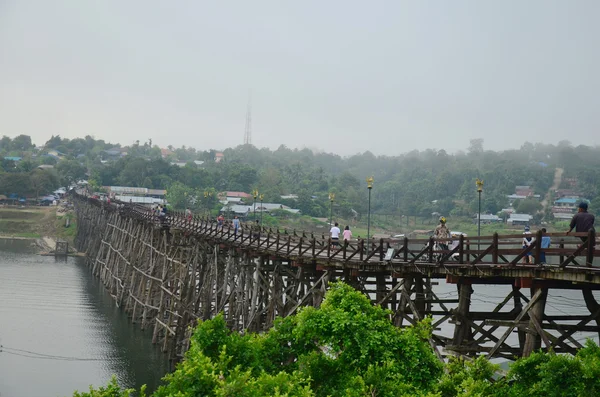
168	273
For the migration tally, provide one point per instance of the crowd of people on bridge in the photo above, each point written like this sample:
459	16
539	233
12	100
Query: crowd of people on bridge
582	222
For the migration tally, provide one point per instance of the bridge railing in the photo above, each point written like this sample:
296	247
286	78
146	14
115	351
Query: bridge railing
566	250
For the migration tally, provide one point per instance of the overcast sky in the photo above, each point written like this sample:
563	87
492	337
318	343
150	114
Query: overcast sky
341	76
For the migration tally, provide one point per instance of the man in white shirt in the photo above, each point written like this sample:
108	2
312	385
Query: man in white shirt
528	239
335	235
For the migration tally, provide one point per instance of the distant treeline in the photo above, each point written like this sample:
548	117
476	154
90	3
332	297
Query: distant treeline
417	183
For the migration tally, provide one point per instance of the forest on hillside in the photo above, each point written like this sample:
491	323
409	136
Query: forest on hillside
416	183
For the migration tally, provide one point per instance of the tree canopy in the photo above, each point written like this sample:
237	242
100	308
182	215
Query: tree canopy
349	347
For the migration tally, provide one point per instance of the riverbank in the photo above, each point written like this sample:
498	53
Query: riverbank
43	225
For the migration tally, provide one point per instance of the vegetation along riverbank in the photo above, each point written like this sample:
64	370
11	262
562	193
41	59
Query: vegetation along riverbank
348	347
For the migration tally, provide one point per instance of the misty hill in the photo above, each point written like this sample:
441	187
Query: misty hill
414	183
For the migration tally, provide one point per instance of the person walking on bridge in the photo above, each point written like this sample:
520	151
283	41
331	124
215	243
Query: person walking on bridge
582	221
236	225
335	235
442	232
528	239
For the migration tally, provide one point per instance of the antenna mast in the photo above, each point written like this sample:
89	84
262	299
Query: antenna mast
248	129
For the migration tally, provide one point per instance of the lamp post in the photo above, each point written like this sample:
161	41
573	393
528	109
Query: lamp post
207	195
331	198
255	195
369	186
261	197
479	184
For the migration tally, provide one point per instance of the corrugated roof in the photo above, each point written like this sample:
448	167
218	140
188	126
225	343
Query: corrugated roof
238	209
566	200
520	217
140	199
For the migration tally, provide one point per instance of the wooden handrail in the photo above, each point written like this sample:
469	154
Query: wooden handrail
490	248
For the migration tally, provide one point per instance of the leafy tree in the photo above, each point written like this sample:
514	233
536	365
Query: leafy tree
529	206
345	347
21	143
69	172
43	181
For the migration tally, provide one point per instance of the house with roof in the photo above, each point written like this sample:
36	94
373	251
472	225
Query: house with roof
45	167
562	215
514	197
560	193
243	210
289	197
128	191
526	191
234	197
486	218
184	163
519	219
55	153
568	202
239	210
16	159
164	153
219	156
114	153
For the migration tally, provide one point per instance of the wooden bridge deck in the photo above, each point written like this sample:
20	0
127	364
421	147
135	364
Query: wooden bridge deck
169	272
485	256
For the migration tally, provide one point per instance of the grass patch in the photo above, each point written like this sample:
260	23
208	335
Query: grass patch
66	233
22	235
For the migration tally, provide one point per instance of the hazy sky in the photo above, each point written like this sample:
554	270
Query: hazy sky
342	76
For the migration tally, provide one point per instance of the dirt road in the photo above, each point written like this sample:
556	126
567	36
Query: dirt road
557	179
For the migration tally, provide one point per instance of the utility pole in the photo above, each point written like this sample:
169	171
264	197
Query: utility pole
248	129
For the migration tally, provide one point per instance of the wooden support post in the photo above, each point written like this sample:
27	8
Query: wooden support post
462	329
533	340
495	248
381	289
591	242
518	306
538	247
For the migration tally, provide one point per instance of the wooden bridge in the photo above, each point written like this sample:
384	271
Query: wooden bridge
169	272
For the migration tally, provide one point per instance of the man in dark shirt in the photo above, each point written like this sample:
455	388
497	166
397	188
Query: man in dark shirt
582	221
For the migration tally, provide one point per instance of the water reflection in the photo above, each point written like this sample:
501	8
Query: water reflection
56	308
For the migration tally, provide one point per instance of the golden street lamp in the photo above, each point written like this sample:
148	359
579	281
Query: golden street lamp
479	184
370	187
331	198
261	197
207	195
255	195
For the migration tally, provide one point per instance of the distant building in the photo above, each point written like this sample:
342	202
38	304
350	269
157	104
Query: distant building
140	200
243	210
183	163
55	153
526	191
485	218
135	191
290	197
219	156
560	193
13	158
115	152
569	202
514	197
45	167
241	195
563	216
571	182
165	153
519	219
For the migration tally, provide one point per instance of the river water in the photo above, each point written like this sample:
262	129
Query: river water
62	332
